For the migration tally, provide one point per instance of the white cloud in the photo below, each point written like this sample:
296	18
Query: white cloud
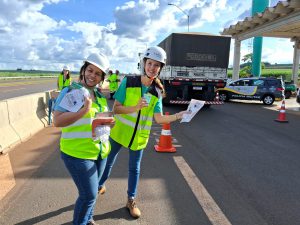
31	39
282	54
25	33
91	32
135	20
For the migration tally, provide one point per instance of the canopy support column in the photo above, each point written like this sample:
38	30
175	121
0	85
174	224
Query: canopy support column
236	59
296	61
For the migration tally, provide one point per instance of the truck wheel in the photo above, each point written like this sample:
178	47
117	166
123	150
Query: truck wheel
268	100
287	94
223	97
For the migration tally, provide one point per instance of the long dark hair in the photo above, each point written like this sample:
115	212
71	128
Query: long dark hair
157	81
68	75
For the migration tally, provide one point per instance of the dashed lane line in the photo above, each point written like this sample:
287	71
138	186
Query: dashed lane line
210	207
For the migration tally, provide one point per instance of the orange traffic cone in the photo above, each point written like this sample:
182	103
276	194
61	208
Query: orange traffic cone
165	140
217	96
281	117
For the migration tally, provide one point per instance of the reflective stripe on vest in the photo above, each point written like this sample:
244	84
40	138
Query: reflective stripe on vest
144	125
125	124
76	139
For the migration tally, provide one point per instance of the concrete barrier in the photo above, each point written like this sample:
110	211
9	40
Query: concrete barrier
23	117
28	114
8	135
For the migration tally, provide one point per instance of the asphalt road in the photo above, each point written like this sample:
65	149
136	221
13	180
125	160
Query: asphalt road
234	165
19	87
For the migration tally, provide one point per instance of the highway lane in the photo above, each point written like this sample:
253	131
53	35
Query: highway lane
18	87
247	163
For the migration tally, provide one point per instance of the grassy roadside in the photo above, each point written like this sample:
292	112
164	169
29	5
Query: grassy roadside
32	74
28	73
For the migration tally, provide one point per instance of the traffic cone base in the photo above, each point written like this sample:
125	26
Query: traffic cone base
281	117
161	149
281	121
165	140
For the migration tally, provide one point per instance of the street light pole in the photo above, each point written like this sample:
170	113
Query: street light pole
188	16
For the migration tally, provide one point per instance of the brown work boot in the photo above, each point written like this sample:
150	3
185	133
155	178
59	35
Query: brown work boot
133	209
102	190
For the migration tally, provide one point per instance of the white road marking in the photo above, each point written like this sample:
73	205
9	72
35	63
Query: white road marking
210	207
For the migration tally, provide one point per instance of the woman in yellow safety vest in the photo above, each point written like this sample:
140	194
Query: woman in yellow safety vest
113	80
64	78
137	101
83	156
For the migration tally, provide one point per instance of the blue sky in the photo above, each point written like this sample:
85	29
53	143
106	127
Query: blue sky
47	34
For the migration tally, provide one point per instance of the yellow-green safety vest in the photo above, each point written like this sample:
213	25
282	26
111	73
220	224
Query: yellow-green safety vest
76	139
113	82
61	83
133	130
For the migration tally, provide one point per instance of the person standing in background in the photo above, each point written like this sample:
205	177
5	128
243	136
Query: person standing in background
113	80
64	78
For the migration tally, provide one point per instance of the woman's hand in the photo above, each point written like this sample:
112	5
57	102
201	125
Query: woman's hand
87	104
161	119
179	115
62	119
112	123
141	104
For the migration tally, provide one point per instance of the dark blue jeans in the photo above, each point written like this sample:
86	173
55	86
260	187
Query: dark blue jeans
134	165
86	176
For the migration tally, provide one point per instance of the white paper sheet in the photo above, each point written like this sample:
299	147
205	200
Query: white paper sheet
73	100
193	108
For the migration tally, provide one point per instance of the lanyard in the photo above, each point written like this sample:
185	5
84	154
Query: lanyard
96	100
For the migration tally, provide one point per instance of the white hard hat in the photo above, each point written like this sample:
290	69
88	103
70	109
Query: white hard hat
99	60
66	68
156	53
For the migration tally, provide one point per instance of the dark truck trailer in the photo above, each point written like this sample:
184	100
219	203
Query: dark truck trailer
196	66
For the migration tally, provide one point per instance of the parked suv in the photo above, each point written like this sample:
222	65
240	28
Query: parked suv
264	89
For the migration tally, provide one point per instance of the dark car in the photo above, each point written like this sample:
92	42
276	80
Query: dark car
289	89
263	89
298	95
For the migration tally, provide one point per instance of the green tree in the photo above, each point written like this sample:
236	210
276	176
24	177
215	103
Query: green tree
246	70
247	58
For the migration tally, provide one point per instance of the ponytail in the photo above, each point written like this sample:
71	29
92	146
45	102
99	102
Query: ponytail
160	86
